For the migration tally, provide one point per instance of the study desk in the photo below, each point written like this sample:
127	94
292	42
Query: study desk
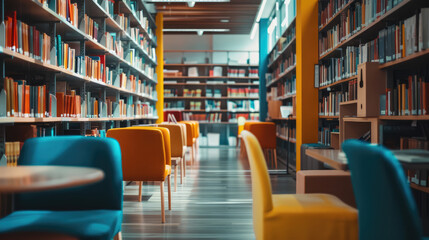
337	159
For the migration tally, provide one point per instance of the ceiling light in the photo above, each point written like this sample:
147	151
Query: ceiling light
258	17
191	4
195	30
224	20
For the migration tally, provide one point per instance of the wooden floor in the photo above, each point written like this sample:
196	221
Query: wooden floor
214	202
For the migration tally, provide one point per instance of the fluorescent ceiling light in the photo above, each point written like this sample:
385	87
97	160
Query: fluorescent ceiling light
224	20
196	30
258	17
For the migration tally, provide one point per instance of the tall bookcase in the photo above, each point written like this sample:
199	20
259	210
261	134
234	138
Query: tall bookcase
71	66
213	87
373	80
292	41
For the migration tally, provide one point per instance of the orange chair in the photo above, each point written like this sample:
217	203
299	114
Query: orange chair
265	132
196	136
177	151
190	132
146	156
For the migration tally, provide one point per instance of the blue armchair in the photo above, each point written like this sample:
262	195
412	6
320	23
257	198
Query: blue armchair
386	207
87	212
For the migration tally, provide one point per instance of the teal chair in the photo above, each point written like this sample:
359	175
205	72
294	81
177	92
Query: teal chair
386	207
87	212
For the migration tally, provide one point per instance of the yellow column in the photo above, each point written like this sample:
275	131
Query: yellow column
306	58
160	66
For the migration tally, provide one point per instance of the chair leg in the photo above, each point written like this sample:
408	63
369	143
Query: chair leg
275	157
175	177
181	170
140	191
184	165
236	143
169	191
118	236
162	202
192	154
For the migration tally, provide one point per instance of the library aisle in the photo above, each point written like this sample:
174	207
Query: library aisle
214	202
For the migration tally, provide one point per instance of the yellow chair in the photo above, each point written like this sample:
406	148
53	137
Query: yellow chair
295	216
196	125
176	138
146	156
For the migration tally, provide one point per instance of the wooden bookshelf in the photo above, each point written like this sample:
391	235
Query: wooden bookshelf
335	18
406	118
231	75
420	188
413	58
286	49
338	82
329	117
48	21
370	30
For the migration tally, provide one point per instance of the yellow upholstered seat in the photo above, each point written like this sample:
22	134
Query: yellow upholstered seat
295	216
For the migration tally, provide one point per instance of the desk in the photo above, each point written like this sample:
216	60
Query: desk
337	159
39	178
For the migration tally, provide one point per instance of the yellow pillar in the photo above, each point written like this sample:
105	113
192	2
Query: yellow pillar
306	58
160	66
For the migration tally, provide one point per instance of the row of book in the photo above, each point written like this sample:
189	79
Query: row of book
143	42
329	103
143	19
406	96
233	117
336	69
286	88
286	131
25	39
178	105
414	143
192	92
90	27
170	92
114	44
67	10
329	8
281	45
241	72
213	93
243	92
203	117
353	20
23	100
213	105
195	105
324	135
243	105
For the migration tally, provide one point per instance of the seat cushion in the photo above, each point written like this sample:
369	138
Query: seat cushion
310	216
88	224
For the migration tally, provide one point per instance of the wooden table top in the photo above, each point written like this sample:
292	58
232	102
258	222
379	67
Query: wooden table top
337	159
334	158
39	178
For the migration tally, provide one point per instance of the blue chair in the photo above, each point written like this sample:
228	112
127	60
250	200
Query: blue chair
386	207
87	212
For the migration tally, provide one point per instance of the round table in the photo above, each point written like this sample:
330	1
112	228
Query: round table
39	178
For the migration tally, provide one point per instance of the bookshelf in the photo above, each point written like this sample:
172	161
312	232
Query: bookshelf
378	67
212	86
292	50
75	67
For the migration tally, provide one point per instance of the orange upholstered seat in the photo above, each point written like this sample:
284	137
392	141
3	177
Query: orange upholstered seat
265	132
146	156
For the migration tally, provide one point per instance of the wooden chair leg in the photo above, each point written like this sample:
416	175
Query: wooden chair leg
175	177
192	155
169	191
162	202
275	157
184	165
181	170
236	143
140	191
118	236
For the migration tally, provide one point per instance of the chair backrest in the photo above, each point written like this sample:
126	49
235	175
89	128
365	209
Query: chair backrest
189	133
265	132
144	153
261	186
176	138
101	153
386	207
